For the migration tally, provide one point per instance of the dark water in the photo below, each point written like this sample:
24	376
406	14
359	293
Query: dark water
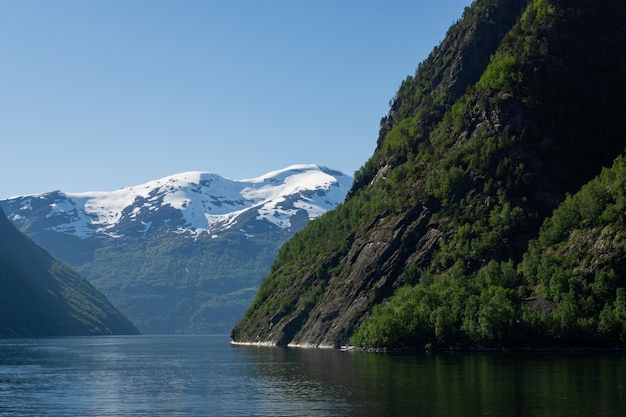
206	376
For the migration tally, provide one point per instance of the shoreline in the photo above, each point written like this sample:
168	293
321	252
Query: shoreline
448	349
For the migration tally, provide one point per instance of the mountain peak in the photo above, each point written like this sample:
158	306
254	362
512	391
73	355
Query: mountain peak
183	253
191	202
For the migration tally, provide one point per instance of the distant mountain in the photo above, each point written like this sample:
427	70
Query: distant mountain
41	296
184	253
487	215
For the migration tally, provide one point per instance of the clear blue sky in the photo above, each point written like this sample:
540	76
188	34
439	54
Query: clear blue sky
96	95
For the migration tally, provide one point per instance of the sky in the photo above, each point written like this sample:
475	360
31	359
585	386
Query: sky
98	95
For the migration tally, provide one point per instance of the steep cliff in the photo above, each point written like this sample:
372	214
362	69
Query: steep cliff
521	104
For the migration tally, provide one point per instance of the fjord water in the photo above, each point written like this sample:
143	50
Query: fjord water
206	376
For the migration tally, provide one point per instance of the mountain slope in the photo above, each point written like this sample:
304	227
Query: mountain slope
475	153
578	263
185	253
40	296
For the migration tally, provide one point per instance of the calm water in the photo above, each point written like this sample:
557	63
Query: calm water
206	376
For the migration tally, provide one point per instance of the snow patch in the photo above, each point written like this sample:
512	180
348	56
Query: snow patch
207	202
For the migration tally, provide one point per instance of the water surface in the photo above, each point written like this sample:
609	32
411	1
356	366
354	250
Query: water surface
206	376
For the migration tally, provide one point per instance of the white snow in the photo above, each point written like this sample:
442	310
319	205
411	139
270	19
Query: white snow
207	201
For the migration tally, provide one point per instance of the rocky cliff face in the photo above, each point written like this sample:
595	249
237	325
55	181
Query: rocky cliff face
517	107
372	264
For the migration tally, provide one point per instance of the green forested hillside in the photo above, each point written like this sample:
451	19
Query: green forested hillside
569	288
177	284
41	296
578	264
448	236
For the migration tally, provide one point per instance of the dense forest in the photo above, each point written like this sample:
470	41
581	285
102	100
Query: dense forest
492	211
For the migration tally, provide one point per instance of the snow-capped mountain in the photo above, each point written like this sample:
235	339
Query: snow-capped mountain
190	202
184	253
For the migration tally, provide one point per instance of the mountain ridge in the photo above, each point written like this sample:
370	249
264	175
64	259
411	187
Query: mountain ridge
184	253
207	202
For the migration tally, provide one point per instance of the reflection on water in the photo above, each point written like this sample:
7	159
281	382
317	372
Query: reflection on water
205	375
449	384
509	384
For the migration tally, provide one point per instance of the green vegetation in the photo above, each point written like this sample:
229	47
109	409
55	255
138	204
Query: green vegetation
579	261
577	265
40	296
176	284
477	301
520	106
